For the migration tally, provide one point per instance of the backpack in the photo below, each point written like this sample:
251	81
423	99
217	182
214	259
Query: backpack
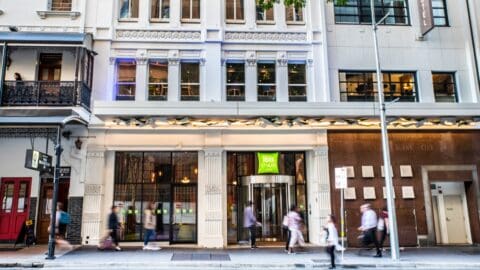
64	218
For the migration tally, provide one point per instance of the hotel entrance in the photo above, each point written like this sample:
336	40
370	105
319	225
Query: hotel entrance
272	190
271	196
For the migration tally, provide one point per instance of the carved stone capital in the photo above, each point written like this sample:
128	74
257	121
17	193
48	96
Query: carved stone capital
321	151
112	60
251	62
141	61
310	62
173	61
283	62
202	61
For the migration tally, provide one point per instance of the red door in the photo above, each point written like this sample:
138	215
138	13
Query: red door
14	206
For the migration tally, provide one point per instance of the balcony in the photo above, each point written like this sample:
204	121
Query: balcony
46	93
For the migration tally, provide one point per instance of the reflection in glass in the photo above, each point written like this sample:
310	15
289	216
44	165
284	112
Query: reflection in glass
444	87
266	82
158	80
126	77
235	81
190	81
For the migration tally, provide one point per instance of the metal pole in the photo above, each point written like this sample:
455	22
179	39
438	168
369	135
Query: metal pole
53	218
342	222
385	146
4	69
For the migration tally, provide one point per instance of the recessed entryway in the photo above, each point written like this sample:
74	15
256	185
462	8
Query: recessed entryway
450	213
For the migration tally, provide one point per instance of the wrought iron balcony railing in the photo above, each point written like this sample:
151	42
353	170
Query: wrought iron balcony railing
46	93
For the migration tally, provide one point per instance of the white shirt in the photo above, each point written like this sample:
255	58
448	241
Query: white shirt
332	239
369	220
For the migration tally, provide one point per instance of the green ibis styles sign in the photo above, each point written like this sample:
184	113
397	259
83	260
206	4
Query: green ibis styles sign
267	163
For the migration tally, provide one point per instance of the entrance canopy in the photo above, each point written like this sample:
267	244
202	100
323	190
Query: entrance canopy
79	39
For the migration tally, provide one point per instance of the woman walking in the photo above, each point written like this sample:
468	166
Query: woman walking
294	225
332	239
149	225
114	226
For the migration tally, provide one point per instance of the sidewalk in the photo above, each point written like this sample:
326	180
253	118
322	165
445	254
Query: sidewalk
239	258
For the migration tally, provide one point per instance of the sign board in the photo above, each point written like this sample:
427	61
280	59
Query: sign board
426	16
341	178
268	163
64	172
38	161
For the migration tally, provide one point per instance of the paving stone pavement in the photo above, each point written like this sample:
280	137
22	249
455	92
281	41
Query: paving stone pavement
239	258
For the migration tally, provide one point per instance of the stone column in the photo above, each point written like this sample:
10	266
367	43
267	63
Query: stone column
282	77
211	198
318	183
111	80
92	203
141	79
173	79
251	78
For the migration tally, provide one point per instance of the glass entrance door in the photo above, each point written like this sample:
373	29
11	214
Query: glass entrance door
271	204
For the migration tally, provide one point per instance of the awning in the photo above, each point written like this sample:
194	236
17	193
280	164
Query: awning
80	39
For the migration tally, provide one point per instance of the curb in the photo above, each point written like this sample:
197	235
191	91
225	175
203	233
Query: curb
22	265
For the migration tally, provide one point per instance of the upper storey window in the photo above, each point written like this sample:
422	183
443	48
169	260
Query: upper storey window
160	10
60	5
235	11
265	16
444	86
190	81
129	9
191	10
359	12
294	14
440	16
266	82
126	79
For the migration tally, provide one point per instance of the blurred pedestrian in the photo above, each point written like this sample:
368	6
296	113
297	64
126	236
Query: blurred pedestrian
62	219
250	222
149	224
382	226
295	226
332	239
114	226
369	228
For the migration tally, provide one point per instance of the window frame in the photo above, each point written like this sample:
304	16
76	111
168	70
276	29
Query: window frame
258	84
190	84
161	84
387	97
160	6
359	14
118	83
445	9
305	85
453	74
190	19
240	97
235	20
265	22
130	18
51	6
294	22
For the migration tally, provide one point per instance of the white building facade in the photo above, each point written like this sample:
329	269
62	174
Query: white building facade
193	99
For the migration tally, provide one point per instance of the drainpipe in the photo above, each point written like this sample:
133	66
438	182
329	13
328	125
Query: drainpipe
472	36
4	69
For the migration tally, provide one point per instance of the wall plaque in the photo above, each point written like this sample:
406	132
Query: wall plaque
350	194
367	172
408	192
406	171
369	193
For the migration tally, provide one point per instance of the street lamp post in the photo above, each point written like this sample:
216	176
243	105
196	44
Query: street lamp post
385	146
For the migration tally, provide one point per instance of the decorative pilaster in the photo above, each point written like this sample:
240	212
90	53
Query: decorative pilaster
92	203
251	77
318	190
212	193
282	77
141	79
173	78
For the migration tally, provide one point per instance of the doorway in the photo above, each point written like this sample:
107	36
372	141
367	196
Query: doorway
450	213
15	206
45	206
271	196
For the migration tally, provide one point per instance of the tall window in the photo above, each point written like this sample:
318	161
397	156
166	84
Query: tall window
129	9
444	86
160	9
234	10
359	12
265	16
157	80
294	14
440	16
191	9
190	81
266	82
297	82
362	86
60	5
235	82
126	77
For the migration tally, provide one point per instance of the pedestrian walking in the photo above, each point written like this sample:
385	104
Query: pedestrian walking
114	226
295	225
369	228
149	225
250	222
382	226
332	239
62	219
286	232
